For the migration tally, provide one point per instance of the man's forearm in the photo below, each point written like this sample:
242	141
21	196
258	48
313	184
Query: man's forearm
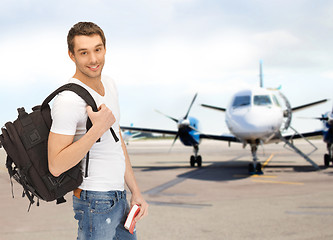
63	154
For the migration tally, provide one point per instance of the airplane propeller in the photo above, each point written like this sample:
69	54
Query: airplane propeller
173	119
189	109
181	122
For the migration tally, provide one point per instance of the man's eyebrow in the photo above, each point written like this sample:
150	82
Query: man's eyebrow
85	49
82	49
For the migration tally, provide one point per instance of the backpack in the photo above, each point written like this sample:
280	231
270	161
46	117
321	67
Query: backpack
25	142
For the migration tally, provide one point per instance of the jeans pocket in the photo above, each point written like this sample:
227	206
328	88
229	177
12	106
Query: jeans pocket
102	206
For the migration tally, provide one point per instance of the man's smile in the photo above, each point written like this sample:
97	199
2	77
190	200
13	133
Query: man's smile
93	68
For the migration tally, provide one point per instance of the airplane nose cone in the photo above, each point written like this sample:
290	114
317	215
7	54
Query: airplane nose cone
254	123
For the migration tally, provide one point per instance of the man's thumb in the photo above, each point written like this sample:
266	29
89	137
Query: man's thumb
89	110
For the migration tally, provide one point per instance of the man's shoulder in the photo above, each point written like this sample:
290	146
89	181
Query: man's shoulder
69	95
68	99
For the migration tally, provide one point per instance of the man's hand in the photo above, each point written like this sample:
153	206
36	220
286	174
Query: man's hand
101	120
138	199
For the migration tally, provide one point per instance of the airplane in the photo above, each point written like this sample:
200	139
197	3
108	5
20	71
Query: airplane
255	116
130	135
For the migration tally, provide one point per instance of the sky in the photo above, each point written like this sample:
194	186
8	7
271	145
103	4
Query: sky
162	52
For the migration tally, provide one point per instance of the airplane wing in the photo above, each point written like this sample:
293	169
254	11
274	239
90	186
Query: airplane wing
308	105
151	130
228	138
214	107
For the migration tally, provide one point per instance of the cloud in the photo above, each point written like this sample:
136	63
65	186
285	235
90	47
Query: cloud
171	60
32	56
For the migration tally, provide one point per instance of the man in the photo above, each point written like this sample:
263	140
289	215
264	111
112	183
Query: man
99	204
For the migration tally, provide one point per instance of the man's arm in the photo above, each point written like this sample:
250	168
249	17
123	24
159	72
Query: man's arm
63	154
132	184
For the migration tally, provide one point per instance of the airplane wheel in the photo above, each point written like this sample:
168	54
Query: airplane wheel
199	161
327	160
192	161
259	168
251	168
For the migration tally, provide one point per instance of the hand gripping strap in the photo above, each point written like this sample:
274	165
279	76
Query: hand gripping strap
84	94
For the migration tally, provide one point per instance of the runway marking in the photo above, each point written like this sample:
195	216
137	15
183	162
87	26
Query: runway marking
267	161
254	176
277	182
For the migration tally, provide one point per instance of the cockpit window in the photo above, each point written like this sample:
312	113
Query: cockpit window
262	100
241	101
276	101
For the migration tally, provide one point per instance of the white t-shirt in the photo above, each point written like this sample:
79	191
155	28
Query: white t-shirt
106	168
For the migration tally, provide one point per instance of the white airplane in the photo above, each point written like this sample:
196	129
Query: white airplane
254	116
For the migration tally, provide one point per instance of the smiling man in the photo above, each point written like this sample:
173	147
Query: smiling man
100	203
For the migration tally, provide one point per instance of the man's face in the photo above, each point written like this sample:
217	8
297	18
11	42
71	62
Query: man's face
89	56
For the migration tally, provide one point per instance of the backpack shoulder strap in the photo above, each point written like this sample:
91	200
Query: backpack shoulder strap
84	94
79	90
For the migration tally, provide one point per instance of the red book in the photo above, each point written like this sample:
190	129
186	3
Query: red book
130	223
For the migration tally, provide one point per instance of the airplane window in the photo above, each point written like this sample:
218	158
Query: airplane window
262	100
276	101
241	101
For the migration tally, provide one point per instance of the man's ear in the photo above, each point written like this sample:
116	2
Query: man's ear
71	55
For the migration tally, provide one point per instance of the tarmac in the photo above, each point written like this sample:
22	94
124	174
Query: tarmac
220	200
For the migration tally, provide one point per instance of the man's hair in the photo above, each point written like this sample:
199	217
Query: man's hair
86	29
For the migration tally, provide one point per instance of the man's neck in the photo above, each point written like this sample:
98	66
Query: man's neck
94	83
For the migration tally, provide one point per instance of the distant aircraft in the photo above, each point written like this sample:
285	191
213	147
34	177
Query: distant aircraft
255	116
131	135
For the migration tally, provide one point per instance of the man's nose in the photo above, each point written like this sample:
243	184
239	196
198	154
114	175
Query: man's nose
93	58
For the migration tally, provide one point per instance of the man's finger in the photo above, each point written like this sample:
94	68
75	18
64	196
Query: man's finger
89	110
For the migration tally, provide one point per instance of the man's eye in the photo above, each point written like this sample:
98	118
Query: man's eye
83	53
98	50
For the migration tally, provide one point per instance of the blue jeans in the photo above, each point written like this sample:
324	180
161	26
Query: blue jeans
102	215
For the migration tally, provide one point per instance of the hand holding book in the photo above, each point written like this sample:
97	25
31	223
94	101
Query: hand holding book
130	222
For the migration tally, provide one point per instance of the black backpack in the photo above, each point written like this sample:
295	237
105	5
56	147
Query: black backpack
25	142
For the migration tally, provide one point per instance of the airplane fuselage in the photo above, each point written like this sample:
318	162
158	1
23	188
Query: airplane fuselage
254	114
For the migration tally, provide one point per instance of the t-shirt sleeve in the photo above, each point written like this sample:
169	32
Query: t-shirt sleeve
67	111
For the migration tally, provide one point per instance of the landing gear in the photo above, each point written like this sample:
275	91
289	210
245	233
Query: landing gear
255	167
196	159
328	157
327	160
